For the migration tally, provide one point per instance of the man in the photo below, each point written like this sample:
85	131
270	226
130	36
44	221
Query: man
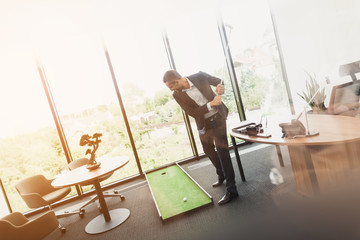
196	98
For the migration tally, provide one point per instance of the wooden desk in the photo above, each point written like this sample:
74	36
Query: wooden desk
108	219
318	162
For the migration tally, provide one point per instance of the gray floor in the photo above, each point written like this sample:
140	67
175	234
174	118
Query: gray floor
263	210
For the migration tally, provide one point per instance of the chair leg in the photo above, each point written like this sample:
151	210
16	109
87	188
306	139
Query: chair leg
81	213
115	193
93	199
61	228
105	194
68	213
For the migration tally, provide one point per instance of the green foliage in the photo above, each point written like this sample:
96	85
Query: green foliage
162	97
253	88
228	96
175	129
149	105
312	86
29	154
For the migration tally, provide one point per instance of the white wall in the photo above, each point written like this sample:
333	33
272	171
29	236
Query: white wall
317	36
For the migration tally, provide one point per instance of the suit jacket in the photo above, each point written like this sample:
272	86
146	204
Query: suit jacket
202	81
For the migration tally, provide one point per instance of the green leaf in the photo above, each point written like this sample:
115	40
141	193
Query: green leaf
312	87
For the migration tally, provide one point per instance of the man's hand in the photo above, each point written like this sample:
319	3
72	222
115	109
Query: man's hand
220	89
216	101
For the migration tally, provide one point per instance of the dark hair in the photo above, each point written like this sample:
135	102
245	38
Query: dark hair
171	75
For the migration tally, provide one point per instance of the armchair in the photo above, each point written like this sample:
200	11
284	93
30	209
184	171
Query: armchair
16	226
37	192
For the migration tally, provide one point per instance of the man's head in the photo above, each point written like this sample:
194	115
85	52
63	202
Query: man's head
173	80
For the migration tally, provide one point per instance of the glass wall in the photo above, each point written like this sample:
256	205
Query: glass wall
318	42
71	50
29	143
139	60
256	60
85	96
196	46
4	208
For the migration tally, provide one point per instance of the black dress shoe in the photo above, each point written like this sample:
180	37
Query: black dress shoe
219	182
227	198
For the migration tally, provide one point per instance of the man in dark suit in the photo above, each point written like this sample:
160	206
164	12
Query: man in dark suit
195	96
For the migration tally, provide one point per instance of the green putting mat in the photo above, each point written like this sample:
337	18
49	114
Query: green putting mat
175	192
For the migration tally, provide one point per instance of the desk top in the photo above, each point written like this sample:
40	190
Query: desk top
333	129
81	174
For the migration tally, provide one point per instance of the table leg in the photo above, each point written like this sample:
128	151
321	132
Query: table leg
238	159
281	161
108	219
103	205
310	166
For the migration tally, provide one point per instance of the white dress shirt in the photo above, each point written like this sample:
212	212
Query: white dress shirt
194	93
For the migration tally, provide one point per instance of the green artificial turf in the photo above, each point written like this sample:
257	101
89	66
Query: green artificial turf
170	186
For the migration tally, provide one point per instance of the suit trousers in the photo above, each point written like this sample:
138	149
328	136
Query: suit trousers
215	137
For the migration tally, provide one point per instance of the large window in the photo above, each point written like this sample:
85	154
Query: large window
139	60
196	46
29	143
70	47
86	101
317	42
256	60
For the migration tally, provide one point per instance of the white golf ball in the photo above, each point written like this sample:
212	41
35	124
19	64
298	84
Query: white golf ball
185	199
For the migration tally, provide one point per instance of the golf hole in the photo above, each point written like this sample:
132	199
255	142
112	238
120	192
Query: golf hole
163	173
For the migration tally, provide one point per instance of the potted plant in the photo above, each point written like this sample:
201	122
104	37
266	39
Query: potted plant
87	140
314	94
